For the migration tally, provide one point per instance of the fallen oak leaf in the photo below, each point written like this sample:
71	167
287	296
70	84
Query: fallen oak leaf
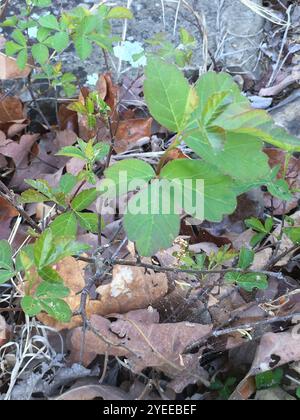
9	69
160	346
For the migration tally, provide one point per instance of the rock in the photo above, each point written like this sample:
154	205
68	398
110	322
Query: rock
274	394
287	115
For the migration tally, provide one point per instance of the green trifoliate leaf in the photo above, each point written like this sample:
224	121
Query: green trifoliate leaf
49	22
249	281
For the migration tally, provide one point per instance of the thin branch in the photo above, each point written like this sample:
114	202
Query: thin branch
245	327
7	195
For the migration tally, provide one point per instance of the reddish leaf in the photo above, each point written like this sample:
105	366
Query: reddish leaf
7	211
11	110
130	131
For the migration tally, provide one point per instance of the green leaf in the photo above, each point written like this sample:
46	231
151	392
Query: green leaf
49	22
64	225
11	48
256	224
6	275
89	221
43	249
31	306
22	59
293	233
50	275
83	47
126	171
25	258
246	258
256	239
101	151
170	98
84	199
212	83
52	290
151	230
249	281
40	53
59	42
42	3
241	158
119	13
43	34
64	247
67	183
57	308
6	261
73	152
269	379
280	189
33	196
18	36
219	196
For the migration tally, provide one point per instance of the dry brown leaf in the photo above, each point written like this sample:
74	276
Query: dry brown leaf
10	70
130	131
18	151
276	350
11	110
132	288
145	345
7	211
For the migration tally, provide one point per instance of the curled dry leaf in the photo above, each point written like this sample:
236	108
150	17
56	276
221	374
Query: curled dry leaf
274	350
144	344
132	288
130	131
9	69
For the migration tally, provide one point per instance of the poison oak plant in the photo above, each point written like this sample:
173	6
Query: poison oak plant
227	137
